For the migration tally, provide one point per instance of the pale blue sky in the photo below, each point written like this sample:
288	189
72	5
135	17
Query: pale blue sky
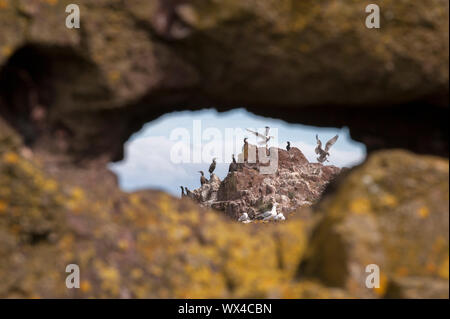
148	163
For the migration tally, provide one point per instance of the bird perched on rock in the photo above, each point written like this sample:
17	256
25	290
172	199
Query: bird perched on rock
323	154
288	146
270	214
212	167
188	192
182	192
244	218
280	216
245	150
203	179
233	165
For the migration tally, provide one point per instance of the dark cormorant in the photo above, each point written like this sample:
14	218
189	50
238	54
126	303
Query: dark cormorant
182	192
212	167
288	146
233	165
245	148
203	179
188	192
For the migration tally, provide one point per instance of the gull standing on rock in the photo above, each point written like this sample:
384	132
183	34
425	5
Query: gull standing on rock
244	218
270	214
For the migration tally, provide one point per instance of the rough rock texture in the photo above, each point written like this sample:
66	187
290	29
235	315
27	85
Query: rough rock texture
132	61
79	94
392	211
296	183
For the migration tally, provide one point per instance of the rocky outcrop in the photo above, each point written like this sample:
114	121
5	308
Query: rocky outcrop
287	59
82	93
296	183
393	212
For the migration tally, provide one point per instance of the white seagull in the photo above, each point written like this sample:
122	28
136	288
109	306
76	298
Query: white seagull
244	218
271	213
264	138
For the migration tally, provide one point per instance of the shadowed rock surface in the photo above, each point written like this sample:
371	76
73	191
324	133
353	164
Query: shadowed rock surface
273	57
296	183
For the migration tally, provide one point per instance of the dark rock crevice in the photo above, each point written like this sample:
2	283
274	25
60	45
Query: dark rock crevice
38	79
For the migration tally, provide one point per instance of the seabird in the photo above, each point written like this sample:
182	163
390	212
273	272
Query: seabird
280	216
264	138
245	149
244	218
233	165
212	167
203	179
323	154
288	146
188	192
271	213
182	192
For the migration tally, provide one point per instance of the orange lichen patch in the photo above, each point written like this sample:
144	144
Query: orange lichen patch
3	206
10	158
6	51
137	273
402	271
381	290
4	4
123	244
77	193
443	268
85	286
423	212
110	277
389	200
430	267
360	206
113	76
50	185
52	2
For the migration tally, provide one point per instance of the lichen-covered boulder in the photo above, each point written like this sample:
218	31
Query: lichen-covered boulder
393	212
254	53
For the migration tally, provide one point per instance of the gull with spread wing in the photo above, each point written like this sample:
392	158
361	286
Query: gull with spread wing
323	154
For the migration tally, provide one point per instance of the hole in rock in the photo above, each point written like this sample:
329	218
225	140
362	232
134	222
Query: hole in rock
43	86
171	150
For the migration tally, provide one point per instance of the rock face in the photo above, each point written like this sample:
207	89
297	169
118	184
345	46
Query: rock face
296	183
392	212
288	59
82	93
